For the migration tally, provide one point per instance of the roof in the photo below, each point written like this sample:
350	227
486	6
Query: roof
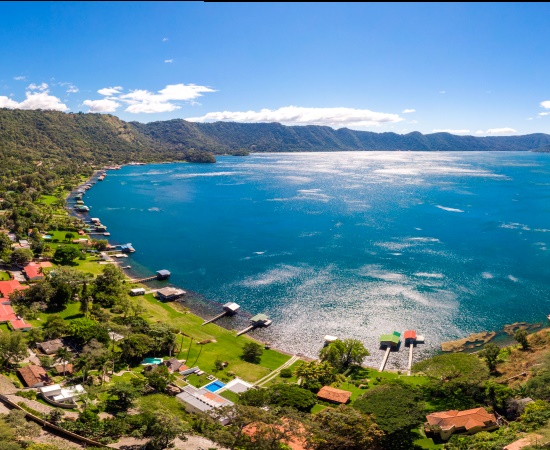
389	338
68	368
163	272
7	287
32	375
259	318
7	314
331	394
409	334
468	419
173	364
50	346
32	270
170	292
238	386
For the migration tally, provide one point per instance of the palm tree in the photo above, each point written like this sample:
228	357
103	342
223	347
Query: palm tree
65	356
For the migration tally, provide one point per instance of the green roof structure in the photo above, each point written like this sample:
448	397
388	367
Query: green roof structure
390	339
259	318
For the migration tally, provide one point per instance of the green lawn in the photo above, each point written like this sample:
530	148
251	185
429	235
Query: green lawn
71	312
5	276
425	442
154	402
231	396
4	328
317	408
224	345
48	199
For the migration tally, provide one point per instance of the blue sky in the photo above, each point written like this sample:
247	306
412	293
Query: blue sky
469	68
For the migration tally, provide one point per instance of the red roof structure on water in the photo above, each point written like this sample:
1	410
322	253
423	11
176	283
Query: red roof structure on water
7	314
32	270
334	395
468	419
7	287
409	334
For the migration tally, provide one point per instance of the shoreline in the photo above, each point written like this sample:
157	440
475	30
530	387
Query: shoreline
205	309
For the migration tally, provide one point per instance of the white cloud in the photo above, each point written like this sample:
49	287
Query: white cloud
168	60
295	115
544	113
545	104
164	39
20	78
104	105
43	87
442	92
6	102
413	121
35	100
110	91
71	88
407	111
497	131
452	131
529	118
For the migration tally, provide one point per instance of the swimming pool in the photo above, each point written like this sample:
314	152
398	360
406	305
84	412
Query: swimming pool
148	361
214	386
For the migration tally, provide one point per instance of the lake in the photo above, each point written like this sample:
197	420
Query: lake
351	244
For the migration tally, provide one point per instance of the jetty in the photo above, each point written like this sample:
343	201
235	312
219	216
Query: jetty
411	339
161	275
389	341
258	321
229	309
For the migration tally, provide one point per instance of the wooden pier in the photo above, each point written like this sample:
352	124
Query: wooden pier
385	360
143	280
229	310
389	341
258	321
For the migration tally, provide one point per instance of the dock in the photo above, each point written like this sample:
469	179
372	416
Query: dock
390	341
258	321
229	310
161	275
411	339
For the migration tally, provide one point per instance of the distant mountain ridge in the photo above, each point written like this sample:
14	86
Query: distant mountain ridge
83	138
222	137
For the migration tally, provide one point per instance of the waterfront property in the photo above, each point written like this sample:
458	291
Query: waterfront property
258	321
169	294
137	291
470	421
333	395
61	396
173	364
163	274
34	376
237	386
50	347
202	401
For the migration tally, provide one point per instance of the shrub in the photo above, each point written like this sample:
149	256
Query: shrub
285	373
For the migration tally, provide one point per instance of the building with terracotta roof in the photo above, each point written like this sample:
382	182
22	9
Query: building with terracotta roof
7	287
470	421
34	376
32	270
69	369
333	395
8	315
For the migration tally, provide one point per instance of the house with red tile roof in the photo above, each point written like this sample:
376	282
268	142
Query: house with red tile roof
34	376
470	421
32	270
333	395
292	440
7	287
8	315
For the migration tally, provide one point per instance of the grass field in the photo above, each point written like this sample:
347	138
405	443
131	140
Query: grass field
48	199
5	276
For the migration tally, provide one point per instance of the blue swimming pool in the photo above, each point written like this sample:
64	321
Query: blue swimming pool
214	386
148	361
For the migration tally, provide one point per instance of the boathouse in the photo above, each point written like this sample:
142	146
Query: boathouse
260	320
169	293
137	291
231	308
390	340
163	274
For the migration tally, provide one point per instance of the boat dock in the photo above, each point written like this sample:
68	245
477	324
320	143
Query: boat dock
229	310
258	321
161	275
389	341
411	339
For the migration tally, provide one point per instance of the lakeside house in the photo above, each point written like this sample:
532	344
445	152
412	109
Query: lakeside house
163	274
14	321
34	271
61	396
50	347
137	291
34	376
333	395
7	287
169	293
202	401
470	421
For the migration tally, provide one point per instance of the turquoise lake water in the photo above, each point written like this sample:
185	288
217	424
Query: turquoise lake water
352	244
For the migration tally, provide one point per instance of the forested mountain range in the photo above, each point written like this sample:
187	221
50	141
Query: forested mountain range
98	138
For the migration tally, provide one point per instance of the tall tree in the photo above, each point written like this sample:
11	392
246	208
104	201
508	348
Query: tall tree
490	353
164	429
13	348
65	356
341	354
521	337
